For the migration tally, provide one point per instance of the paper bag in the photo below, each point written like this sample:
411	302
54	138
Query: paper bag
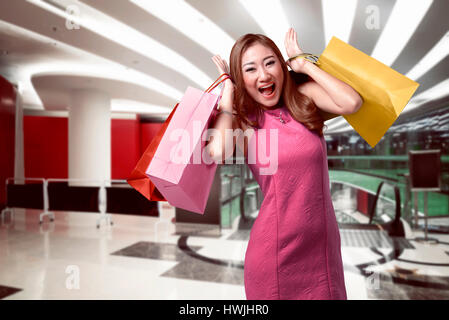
138	179
178	169
385	92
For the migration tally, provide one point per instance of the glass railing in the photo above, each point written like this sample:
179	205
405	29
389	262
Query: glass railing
240	194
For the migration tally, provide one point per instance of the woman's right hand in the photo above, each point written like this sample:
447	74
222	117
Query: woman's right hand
292	47
222	67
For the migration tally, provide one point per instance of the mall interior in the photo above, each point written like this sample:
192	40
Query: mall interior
85	87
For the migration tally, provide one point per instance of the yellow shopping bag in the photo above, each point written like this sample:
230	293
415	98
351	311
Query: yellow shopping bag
385	92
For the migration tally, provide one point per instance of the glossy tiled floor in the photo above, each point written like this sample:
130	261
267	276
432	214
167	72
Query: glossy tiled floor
144	258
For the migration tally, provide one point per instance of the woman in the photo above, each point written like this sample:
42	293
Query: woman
294	250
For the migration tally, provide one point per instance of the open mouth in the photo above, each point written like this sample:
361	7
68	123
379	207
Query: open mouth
267	90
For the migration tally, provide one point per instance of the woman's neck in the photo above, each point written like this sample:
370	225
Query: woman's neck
280	104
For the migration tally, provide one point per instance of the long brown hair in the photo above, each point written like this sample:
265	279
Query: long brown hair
301	107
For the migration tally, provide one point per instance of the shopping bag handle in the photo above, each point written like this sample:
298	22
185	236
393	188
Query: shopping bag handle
307	56
219	80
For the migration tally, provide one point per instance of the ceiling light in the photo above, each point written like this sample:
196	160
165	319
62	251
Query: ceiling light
190	22
335	122
106	71
126	36
271	18
77	62
434	56
338	17
123	105
402	23
438	91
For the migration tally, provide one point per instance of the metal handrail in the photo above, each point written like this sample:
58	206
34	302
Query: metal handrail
244	190
397	198
101	182
46	203
23	179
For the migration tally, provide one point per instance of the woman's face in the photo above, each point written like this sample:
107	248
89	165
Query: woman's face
262	74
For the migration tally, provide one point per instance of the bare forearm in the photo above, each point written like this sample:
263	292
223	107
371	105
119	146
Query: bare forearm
340	92
222	144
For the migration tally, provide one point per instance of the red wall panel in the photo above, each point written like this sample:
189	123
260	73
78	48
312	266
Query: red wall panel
147	133
125	147
7	134
45	147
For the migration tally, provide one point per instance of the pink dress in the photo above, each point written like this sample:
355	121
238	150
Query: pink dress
294	250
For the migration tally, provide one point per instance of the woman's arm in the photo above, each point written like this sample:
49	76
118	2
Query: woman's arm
327	92
222	148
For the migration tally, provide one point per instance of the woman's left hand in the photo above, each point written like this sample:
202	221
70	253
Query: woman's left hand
293	49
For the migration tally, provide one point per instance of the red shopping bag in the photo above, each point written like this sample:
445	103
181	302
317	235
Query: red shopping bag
138	179
177	168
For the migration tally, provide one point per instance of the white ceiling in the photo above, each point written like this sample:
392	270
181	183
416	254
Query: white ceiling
158	48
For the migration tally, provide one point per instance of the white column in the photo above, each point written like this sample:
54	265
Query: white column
90	137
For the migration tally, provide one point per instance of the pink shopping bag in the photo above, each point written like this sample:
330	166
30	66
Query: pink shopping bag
178	169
